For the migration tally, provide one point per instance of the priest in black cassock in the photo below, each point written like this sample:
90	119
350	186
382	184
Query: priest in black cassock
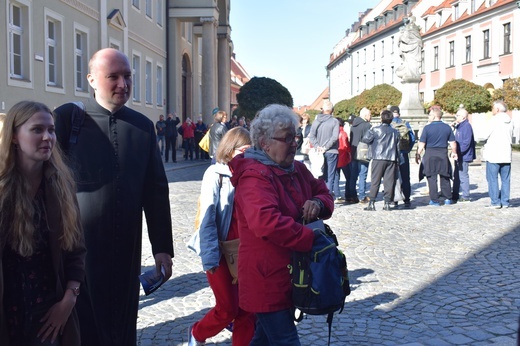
119	173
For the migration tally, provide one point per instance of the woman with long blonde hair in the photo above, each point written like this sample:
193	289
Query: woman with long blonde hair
42	253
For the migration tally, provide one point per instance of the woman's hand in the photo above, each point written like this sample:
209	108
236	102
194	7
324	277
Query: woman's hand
311	210
55	319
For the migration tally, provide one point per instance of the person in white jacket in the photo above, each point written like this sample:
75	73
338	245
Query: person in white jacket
497	154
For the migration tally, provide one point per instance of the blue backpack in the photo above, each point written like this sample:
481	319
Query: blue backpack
320	277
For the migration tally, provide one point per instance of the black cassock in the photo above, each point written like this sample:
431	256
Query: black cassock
119	173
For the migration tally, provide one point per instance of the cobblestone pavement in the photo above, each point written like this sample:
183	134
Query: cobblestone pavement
446	275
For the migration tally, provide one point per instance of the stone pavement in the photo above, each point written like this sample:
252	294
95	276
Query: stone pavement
445	275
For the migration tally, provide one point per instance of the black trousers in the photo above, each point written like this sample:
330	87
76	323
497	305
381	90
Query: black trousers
434	189
171	144
386	170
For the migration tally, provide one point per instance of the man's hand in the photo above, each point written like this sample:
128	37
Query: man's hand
164	260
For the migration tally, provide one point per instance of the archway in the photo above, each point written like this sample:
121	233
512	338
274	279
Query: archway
186	89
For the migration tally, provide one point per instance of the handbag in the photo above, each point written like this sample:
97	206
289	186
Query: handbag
229	249
317	161
362	152
204	142
306	146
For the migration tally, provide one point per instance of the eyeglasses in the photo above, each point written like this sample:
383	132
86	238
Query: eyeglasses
286	140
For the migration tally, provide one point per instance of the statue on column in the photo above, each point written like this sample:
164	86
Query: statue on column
410	47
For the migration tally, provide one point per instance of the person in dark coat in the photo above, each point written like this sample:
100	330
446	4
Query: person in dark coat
171	137
119	173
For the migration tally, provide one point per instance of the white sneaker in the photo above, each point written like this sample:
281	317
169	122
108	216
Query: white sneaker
191	339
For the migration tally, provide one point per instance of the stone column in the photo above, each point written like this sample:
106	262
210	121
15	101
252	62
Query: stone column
410	102
224	72
209	56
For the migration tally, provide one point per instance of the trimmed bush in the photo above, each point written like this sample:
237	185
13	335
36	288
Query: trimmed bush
509	93
475	98
260	92
378	98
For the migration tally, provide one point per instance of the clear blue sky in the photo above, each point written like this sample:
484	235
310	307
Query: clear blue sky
291	40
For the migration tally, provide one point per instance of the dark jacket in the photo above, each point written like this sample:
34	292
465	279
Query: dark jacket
383	141
358	129
465	142
171	127
216	132
120	174
67	265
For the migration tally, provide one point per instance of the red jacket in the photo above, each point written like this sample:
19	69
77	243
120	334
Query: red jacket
344	156
188	131
269	203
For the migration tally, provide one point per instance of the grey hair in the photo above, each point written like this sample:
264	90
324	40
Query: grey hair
270	119
500	105
364	112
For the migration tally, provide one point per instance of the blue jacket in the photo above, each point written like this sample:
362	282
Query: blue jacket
216	209
465	142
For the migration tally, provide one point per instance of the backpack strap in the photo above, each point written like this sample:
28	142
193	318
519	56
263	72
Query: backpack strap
78	117
329	322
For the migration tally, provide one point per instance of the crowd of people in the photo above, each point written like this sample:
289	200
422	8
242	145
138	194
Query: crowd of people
73	189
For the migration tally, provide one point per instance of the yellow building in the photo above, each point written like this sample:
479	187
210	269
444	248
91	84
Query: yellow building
179	51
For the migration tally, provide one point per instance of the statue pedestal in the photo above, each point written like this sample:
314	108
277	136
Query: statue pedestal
410	103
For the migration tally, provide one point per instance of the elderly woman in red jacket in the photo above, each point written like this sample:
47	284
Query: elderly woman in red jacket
274	196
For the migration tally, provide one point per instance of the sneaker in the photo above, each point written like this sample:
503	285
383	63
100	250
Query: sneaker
448	202
494	206
191	339
407	205
365	200
464	200
339	200
435	204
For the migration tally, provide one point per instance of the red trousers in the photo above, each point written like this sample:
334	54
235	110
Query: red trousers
226	310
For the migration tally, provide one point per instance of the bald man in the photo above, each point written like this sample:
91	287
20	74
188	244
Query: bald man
119	174
465	155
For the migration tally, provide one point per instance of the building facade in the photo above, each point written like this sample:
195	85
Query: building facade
179	51
469	39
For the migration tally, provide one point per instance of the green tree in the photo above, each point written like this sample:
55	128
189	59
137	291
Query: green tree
344	108
378	98
509	93
475	98
260	92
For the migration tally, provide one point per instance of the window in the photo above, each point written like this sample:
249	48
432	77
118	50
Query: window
148	7
53	52
392	75
357	83
135	3
507	38
18	41
374	55
468	48
452	54
364	82
136	77
382	75
374	78
159	12
80	54
357	53
382	49
456	11
148	82
159	81
393	44
485	34
472	6
364	56
435	58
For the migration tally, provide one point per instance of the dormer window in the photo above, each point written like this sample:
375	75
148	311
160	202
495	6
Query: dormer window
456	14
